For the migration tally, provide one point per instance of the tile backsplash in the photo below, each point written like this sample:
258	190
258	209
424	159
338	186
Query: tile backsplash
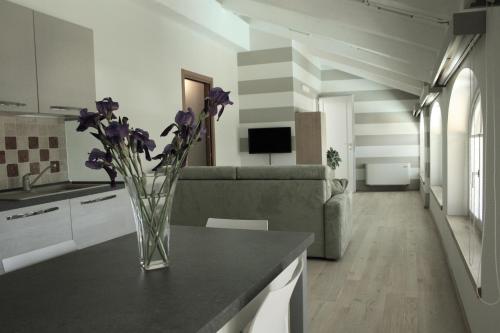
29	145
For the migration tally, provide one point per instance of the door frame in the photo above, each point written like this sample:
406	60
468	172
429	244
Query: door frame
210	135
351	167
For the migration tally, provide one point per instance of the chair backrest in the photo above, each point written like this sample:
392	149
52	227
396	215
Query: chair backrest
273	313
237	224
33	257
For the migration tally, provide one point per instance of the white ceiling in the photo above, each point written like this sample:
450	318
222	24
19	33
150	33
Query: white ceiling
394	42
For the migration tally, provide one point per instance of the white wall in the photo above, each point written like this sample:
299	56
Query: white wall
260	40
266	96
139	54
384	129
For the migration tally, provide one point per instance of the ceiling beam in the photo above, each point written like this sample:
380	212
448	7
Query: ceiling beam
375	74
422	70
384	46
356	16
207	17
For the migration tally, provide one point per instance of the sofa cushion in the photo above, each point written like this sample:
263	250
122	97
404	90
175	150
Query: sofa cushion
338	225
197	200
292	172
338	186
208	172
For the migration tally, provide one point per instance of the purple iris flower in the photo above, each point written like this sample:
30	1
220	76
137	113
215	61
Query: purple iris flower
106	108
167	151
99	159
142	142
116	132
185	118
87	119
217	98
185	122
142	138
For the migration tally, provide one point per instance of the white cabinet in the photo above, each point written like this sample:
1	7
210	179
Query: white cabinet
18	86
31	228
101	217
65	66
36	233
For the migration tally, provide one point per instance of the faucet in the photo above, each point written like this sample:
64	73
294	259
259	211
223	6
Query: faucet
27	184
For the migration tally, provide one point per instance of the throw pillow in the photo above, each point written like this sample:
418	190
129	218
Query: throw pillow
338	186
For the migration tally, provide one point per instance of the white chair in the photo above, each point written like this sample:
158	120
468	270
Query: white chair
273	315
33	257
237	224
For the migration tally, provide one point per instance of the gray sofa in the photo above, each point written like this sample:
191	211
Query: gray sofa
292	198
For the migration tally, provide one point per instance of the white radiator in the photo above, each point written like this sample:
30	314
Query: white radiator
388	174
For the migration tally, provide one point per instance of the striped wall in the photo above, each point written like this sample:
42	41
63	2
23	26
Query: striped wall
307	81
273	85
384	129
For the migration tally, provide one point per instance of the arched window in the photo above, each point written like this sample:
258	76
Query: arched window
465	100
476	165
465	169
422	146
436	152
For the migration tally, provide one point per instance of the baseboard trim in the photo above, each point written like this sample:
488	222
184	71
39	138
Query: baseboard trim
362	187
450	272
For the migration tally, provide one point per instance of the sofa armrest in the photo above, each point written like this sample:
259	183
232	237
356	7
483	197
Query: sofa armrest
338	224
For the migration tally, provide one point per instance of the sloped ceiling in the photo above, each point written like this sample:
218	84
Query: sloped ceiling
394	42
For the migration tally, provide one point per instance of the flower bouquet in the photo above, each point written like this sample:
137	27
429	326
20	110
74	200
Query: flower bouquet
124	147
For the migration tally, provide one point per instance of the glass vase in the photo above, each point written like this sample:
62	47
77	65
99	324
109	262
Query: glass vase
151	197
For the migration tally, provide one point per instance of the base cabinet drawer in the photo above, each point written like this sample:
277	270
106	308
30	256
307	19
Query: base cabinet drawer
35	227
100	217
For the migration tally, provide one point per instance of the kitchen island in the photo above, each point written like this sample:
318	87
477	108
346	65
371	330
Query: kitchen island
214	273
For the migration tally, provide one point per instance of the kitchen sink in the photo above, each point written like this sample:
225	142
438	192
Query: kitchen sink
47	190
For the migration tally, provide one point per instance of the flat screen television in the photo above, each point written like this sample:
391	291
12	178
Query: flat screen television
270	140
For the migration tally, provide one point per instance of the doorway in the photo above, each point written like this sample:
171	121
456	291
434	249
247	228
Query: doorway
195	88
338	111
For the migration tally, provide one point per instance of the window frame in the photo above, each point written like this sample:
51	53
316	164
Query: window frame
476	115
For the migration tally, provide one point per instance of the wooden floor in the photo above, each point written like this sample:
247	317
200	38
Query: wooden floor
393	277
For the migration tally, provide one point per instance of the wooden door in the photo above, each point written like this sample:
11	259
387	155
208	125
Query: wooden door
195	88
338	115
310	137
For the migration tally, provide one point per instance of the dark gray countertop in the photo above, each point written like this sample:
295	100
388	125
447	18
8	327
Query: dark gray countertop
8	205
214	273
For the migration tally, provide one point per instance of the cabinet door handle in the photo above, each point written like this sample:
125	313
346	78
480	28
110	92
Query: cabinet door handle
8	103
38	212
65	108
109	197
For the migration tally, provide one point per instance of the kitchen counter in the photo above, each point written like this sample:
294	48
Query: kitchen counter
8	205
214	273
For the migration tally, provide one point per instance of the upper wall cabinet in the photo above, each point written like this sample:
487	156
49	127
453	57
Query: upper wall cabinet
18	91
65	66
